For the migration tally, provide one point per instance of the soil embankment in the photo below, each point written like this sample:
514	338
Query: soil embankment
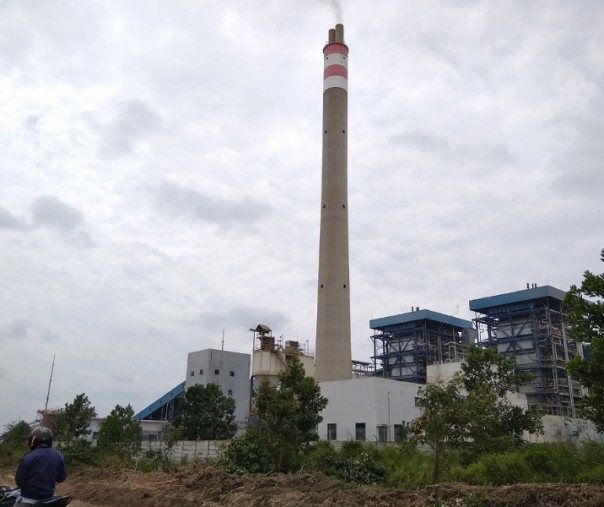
205	485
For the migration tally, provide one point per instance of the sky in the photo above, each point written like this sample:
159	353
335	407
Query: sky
160	168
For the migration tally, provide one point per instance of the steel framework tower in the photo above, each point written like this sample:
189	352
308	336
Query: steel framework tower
529	325
405	345
333	349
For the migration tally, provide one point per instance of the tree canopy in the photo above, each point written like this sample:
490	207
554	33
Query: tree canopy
74	421
472	409
120	433
290	413
442	418
14	442
287	418
205	414
584	309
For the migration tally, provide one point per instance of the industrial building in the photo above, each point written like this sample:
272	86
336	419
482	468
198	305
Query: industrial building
423	346
404	345
229	370
529	325
270	356
368	399
366	409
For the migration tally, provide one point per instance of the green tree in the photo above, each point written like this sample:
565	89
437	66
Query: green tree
74	421
443	418
485	366
14	442
120	433
206	414
16	432
584	309
289	413
403	432
287	418
493	423
472	409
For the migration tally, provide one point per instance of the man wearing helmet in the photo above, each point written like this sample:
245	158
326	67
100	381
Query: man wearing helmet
40	469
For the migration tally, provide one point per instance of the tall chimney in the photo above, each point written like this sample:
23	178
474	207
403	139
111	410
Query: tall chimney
333	356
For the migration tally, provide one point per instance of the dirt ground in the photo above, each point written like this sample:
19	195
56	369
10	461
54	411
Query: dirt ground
205	485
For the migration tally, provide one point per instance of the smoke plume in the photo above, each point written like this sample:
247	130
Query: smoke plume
337	9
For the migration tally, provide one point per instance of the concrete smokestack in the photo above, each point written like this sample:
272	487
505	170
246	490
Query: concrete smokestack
333	356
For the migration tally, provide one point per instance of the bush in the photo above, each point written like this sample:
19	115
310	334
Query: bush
496	470
321	456
553	462
153	461
361	469
405	466
356	462
79	452
247	454
14	443
593	475
592	454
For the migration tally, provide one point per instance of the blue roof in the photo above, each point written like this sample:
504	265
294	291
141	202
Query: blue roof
166	398
404	318
547	291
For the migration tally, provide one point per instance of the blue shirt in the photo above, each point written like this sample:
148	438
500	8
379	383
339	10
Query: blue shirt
39	471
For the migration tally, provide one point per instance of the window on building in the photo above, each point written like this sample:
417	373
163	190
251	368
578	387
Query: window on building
382	431
201	372
216	372
332	431
231	374
360	431
192	373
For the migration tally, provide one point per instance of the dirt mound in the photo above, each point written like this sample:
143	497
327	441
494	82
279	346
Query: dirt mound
205	485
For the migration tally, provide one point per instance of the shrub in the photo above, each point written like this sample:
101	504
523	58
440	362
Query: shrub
594	475
496	470
360	469
14	443
355	462
152	461
321	456
79	452
592	454
553	462
247	454
406	466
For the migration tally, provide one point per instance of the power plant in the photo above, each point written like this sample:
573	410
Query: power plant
410	349
333	354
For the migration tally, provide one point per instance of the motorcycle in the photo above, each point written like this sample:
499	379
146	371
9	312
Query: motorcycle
8	497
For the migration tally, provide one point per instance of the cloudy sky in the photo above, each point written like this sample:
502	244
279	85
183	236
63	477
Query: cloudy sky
160	174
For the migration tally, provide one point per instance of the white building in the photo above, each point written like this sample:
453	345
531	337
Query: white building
229	370
366	408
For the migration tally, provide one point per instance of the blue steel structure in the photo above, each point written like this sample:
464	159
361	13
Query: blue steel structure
164	408
529	325
404	345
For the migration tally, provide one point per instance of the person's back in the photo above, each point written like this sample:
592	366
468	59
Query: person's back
40	469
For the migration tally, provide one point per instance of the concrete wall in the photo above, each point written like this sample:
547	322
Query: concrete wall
441	372
229	370
152	430
374	401
566	429
188	450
